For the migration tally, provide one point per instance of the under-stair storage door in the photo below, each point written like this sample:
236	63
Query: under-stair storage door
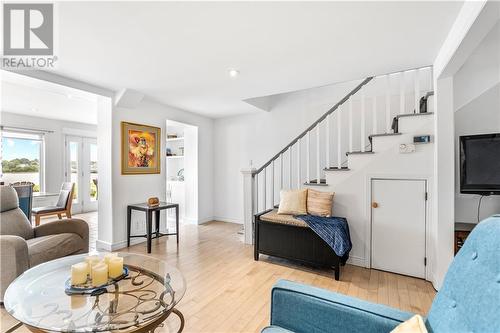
398	226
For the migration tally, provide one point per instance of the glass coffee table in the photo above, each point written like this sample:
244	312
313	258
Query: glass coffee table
138	303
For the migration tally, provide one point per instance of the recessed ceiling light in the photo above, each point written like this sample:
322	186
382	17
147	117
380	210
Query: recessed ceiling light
233	72
34	109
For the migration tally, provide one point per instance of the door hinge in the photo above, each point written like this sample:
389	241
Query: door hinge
425	261
426	196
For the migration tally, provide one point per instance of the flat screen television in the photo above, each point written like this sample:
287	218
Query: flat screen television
480	164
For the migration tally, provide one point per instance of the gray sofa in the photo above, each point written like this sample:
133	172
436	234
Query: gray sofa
22	246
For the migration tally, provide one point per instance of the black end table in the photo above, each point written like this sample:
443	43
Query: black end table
149	210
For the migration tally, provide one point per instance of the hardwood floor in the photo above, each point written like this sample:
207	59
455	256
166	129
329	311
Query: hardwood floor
227	291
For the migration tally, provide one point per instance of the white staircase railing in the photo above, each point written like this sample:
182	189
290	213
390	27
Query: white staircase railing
376	100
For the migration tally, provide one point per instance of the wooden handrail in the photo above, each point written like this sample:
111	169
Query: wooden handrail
335	107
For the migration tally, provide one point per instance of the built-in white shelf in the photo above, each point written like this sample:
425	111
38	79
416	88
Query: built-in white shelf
175	139
176	156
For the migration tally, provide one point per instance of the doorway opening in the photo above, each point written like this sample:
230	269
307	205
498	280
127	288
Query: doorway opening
182	170
81	170
50	136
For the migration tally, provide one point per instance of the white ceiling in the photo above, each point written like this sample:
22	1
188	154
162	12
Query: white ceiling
25	95
178	53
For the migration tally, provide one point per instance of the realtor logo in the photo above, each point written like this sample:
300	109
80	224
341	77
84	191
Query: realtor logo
28	29
28	36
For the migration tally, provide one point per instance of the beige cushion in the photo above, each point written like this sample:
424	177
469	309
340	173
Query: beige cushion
274	217
293	202
9	198
319	203
413	325
46	248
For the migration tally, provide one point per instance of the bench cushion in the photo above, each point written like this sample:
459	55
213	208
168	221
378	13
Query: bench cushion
274	217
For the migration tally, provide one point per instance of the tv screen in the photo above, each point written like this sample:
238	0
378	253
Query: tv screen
480	164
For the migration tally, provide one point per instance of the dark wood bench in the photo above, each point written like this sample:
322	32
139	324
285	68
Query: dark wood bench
294	241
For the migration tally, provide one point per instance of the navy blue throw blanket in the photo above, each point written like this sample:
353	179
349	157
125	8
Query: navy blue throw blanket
333	230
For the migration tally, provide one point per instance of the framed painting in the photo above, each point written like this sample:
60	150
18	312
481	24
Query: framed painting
140	149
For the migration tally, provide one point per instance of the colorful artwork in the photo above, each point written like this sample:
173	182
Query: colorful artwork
140	149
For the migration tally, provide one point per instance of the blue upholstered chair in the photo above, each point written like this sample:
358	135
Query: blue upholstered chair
469	300
25	194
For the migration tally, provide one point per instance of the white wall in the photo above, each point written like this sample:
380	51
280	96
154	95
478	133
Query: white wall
353	188
477	111
54	143
257	137
129	189
474	21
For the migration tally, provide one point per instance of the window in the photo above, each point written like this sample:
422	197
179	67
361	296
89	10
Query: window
22	158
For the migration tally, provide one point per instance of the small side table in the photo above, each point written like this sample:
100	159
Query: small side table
462	231
149	210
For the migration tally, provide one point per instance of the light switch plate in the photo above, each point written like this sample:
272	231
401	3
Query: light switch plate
406	148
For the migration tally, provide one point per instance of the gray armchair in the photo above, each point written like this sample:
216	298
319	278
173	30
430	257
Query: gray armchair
22	246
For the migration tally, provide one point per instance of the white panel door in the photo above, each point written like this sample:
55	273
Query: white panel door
81	169
398	226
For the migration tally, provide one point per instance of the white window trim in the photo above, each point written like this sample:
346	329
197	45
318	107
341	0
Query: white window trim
34	136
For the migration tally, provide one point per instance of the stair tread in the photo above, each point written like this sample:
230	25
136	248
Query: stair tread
414	114
337	169
359	152
322	182
383	134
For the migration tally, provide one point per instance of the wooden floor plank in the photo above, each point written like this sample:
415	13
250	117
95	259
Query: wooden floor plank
227	291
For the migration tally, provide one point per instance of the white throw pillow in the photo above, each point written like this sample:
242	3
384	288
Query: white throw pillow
293	202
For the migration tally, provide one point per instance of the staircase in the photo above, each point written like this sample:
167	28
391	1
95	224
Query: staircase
348	137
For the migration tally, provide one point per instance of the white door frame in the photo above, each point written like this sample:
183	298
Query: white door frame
83	203
88	204
428	220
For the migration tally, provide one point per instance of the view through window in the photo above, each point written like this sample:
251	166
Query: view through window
21	158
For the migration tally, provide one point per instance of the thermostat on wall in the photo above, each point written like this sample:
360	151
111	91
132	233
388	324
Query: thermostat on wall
422	139
406	148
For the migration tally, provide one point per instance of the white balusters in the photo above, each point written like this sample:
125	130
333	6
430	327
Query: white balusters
281	172
416	83
402	89
256	177
308	158
339	136
350	124
299	183
363	122
272	185
387	104
327	143
264	182
318	166
290	168
265	188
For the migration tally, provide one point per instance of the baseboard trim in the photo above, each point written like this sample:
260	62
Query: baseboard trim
205	220
356	261
102	245
106	246
226	219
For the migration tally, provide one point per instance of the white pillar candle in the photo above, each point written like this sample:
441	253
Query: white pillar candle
91	261
99	275
109	256
79	273
115	266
